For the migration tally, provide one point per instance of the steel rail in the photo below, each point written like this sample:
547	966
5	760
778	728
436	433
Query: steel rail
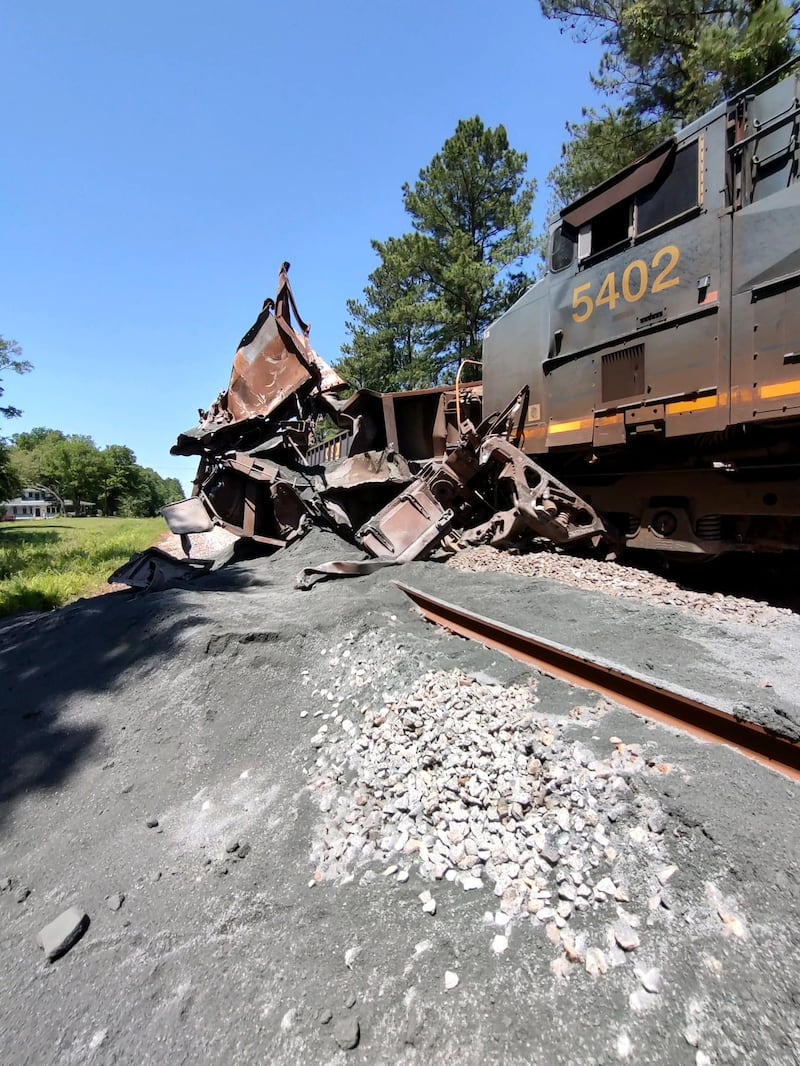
638	694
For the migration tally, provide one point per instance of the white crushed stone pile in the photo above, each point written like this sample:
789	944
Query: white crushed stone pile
470	782
204	545
616	579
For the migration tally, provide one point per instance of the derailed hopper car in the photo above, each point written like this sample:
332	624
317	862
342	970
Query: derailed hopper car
662	347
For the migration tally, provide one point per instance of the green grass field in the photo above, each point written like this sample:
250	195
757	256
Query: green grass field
47	564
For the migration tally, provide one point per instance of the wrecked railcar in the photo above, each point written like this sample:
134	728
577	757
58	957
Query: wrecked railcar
407	474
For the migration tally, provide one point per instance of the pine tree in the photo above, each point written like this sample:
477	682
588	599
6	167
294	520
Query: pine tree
437	288
666	62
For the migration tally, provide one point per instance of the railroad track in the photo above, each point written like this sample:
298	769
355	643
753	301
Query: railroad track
638	694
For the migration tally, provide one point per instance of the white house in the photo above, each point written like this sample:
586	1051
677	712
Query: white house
31	503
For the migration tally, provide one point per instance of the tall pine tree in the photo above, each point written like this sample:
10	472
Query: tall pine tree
666	62
437	288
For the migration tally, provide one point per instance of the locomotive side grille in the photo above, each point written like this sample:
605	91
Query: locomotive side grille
623	373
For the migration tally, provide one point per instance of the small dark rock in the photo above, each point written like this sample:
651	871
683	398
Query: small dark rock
232	845
155	876
325	1016
346	1032
23	894
151	822
243	852
126	790
350	1000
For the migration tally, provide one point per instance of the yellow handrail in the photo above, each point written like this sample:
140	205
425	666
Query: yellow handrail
464	362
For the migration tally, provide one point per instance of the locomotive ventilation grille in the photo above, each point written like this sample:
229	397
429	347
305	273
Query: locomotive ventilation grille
623	373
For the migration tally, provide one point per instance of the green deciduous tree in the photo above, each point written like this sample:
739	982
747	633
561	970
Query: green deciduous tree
436	288
665	63
118	476
76	469
73	467
10	359
10	481
150	494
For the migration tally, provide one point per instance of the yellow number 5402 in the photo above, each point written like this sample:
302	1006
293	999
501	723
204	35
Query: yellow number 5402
635	283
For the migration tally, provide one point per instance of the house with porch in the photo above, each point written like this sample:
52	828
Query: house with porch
31	503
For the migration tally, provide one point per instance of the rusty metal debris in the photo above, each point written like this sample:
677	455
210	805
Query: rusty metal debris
408	473
154	569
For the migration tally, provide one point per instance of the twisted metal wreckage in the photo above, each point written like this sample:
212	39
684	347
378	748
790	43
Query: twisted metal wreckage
408	474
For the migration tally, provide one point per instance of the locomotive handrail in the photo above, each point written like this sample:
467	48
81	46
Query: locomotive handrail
776	284
775	123
462	364
669	397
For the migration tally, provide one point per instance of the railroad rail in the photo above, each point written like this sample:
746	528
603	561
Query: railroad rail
640	695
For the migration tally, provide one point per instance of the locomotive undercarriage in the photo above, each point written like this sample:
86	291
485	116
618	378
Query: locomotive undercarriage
699	497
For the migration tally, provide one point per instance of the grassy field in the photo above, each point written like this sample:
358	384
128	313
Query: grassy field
47	564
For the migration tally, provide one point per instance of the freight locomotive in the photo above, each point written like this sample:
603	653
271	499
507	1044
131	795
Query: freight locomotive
662	346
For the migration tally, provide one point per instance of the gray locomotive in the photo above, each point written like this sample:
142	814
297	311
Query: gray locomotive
662	347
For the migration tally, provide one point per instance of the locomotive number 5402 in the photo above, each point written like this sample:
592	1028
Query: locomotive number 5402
635	283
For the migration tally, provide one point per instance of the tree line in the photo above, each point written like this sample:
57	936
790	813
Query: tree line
72	467
107	479
467	254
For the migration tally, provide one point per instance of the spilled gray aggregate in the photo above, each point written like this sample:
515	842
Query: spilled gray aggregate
192	707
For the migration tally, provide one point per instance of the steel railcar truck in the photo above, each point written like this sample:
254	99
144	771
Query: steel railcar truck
662	346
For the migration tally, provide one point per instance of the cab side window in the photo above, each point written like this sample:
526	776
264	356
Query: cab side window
562	247
676	193
611	228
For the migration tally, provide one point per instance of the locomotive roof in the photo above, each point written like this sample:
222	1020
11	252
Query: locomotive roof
644	170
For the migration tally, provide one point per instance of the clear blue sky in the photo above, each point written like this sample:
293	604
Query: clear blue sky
162	159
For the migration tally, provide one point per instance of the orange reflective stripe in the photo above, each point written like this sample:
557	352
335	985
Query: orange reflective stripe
783	388
704	403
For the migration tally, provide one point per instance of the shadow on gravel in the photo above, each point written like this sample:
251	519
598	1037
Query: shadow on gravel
769	579
88	649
